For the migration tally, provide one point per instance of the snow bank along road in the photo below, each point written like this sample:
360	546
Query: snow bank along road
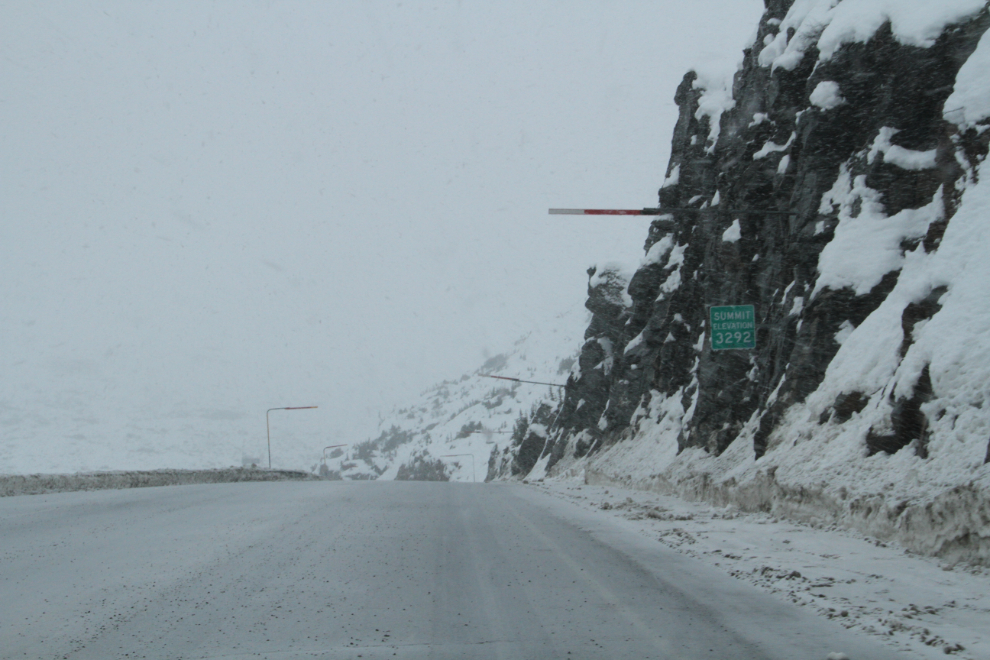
371	570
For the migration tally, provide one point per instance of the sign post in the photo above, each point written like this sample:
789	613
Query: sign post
733	327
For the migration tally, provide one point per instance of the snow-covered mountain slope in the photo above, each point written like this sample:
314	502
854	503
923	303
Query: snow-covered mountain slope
457	429
831	180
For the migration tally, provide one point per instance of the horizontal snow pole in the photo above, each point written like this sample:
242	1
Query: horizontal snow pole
519	380
603	212
664	211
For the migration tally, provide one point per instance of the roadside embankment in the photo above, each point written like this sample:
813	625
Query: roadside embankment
953	525
38	484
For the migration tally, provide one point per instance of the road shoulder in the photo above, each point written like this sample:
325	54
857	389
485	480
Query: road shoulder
914	604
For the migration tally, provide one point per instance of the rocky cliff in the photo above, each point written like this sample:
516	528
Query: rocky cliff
833	184
832	180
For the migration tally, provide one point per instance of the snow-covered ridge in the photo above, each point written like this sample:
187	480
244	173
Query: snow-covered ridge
457	429
830	24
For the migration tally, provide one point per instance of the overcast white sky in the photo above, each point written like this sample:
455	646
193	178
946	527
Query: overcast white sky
213	208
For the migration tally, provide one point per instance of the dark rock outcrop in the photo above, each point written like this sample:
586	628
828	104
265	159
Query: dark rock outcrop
588	395
422	468
749	226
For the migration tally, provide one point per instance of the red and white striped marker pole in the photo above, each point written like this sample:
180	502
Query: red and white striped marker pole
607	212
666	211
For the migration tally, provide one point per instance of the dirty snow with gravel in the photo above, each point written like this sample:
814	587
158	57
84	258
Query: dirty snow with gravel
925	607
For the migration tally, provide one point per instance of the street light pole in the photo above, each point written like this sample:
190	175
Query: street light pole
268	426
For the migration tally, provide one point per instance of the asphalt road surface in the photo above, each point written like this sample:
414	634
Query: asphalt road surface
371	570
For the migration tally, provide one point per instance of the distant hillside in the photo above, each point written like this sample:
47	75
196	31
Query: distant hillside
483	420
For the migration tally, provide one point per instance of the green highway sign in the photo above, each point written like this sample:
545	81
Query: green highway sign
733	327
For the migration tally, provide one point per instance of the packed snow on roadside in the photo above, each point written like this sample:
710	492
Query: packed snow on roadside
922	606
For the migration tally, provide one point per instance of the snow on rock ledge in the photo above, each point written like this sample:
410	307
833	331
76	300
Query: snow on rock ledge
867	400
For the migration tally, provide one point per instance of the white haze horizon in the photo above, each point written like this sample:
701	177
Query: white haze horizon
211	209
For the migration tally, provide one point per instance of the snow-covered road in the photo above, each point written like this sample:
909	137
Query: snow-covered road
371	570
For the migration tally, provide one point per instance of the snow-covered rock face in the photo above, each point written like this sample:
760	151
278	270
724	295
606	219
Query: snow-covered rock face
838	195
835	182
